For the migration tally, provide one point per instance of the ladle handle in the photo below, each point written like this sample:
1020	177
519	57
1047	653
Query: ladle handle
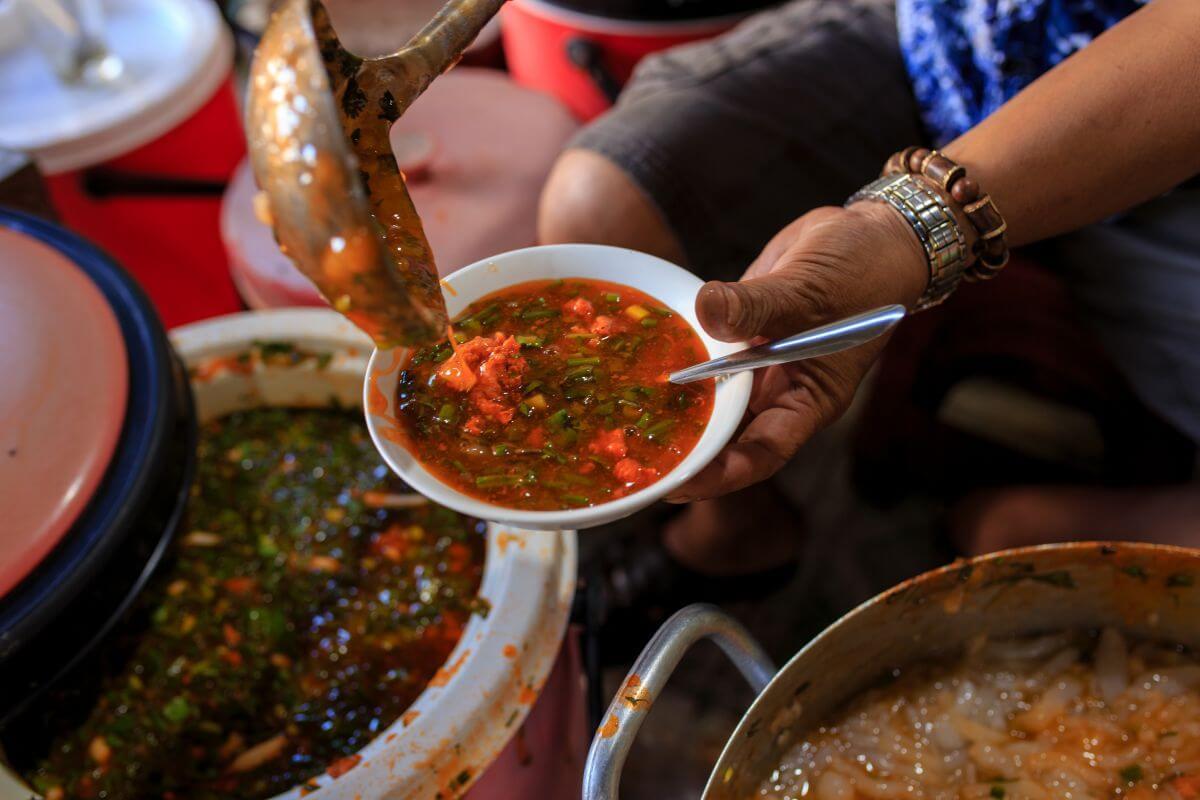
442	41
823	341
648	676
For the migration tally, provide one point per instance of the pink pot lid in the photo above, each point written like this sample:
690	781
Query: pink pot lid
476	149
62	399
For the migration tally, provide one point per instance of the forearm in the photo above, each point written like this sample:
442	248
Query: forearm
1114	125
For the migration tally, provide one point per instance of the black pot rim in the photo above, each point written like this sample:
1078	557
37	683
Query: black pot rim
59	650
137	463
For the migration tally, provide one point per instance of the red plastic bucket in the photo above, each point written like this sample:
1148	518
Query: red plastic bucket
157	210
139	166
584	59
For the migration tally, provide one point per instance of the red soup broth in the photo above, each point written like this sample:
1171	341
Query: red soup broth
554	394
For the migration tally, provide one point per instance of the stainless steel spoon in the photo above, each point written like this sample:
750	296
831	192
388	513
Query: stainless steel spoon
822	341
317	122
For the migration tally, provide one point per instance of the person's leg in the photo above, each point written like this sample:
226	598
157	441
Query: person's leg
711	150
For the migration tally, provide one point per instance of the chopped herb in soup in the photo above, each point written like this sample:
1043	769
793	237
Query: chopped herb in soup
1070	716
300	615
554	394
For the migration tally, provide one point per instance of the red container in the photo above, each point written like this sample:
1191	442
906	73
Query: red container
584	59
139	166
157	210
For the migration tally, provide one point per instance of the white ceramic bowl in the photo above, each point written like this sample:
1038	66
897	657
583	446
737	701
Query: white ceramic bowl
662	280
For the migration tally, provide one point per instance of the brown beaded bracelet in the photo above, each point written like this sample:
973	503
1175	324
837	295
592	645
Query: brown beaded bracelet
991	248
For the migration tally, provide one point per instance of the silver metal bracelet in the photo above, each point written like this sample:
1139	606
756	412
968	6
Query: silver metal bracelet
933	223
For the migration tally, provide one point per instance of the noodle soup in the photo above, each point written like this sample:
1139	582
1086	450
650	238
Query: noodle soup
1069	716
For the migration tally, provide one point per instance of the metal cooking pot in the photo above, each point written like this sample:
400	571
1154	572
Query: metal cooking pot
1148	591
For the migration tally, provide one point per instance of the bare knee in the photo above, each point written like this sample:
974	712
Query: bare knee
588	198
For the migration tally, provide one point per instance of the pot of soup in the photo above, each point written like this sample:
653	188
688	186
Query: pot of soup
1062	671
315	629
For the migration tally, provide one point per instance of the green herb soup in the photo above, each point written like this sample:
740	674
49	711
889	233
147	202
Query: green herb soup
300	615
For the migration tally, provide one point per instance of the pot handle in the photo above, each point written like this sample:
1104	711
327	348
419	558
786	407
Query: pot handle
648	676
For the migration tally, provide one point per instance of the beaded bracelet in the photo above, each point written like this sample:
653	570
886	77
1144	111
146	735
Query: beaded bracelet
991	248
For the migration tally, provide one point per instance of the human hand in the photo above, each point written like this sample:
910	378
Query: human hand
828	264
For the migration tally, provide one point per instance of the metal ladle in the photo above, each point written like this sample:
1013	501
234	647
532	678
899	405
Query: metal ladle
317	121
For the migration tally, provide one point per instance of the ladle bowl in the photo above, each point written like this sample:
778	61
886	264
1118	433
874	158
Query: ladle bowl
317	122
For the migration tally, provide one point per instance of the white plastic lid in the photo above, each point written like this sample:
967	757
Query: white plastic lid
176	54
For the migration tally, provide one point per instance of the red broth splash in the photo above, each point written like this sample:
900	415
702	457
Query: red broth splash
554	394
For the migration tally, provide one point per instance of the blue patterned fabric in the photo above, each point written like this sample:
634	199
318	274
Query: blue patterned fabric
966	57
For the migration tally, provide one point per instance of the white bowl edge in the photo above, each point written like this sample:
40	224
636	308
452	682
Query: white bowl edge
670	284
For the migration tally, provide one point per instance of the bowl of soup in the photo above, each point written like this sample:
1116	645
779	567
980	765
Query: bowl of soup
547	405
1061	671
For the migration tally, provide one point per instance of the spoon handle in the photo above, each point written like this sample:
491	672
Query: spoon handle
442	41
822	341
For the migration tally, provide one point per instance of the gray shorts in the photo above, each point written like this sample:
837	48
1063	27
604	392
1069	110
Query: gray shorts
734	138
799	106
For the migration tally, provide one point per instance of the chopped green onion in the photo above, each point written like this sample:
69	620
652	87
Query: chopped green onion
448	413
484	481
532	386
578	392
606	409
612	297
575	499
525	409
649	322
579	372
662	312
530	341
559	418
499	449
177	709
579	362
578	480
643	420
581	336
483	312
538	313
657	430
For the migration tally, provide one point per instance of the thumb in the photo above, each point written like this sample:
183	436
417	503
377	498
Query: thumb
773	305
